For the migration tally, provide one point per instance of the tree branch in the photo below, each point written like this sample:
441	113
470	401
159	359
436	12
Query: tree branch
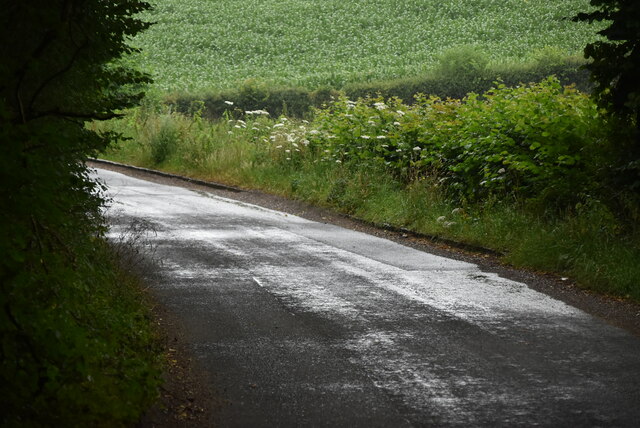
54	76
77	115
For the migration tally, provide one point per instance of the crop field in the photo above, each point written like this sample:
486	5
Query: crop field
201	45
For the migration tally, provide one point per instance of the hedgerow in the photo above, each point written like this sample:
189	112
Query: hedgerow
453	78
540	141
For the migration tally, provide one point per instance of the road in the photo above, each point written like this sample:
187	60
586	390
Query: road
302	323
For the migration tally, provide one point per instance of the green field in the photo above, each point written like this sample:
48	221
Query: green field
200	45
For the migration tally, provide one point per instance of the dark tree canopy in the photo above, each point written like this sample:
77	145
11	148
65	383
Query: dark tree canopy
616	61
63	64
60	57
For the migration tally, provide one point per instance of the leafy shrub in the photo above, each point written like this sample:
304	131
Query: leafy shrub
532	141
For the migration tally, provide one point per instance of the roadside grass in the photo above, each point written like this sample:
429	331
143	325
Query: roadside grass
584	242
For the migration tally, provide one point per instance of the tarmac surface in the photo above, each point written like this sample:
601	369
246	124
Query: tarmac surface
302	323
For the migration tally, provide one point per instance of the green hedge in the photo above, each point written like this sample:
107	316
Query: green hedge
456	75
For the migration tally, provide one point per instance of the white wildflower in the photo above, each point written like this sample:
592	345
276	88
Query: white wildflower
396	123
417	148
386	146
400	112
441	219
279	147
380	106
314	132
287	151
229	103
502	171
278	125
305	142
381	137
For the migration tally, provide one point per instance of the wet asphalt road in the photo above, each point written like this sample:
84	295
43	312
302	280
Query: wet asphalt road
300	323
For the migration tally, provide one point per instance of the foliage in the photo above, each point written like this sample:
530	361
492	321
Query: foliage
616	69
74	348
533	141
616	60
203	46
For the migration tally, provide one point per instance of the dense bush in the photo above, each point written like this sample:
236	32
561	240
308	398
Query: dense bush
534	142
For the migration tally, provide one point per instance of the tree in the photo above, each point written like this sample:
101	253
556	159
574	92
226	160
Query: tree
63	64
615	65
615	69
